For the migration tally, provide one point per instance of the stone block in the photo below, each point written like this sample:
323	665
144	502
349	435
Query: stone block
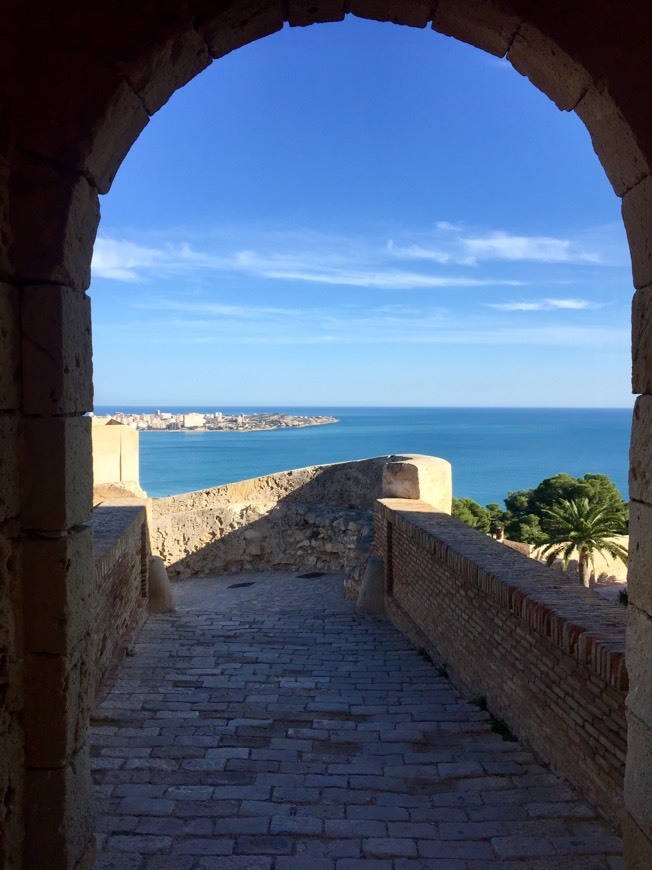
113	134
54	215
638	773
9	347
58	703
161	599
371	598
640	451
637	847
637	208
425	478
235	26
639	664
548	68
11	790
409	12
490	26
642	341
56	472
56	351
176	61
304	12
9	495
94	128
59	805
639	570
5	229
59	591
613	140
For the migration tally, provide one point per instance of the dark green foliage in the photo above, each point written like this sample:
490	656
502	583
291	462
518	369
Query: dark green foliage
472	513
526	518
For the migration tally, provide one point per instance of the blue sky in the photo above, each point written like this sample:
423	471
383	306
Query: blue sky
361	214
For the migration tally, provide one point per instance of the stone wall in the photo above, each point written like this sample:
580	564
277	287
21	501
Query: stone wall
120	551
315	518
547	654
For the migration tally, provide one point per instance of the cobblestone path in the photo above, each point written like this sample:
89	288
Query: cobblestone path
269	727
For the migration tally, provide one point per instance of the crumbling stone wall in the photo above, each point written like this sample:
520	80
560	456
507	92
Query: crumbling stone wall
319	517
547	654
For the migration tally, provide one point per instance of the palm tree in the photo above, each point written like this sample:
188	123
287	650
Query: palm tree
588	528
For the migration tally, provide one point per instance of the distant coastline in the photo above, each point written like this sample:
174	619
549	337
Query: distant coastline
215	421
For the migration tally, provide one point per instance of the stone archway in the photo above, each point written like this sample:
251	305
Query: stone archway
78	86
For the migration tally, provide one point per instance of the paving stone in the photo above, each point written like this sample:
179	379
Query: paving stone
274	728
138	843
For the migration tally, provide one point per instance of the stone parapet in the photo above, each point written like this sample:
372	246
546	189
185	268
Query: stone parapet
120	554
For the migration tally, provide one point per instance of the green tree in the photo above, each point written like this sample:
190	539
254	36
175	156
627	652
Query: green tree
525	514
472	513
579	526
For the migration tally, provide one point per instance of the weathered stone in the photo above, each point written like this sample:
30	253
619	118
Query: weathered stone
56	351
178	60
160	599
59	590
639	663
426	478
613	140
57	483
548	68
11	786
9	347
5	225
412	13
371	599
490	26
305	12
637	208
638	773
9	495
642	341
54	216
233	26
639	569
58	705
59	805
640	452
96	130
638	847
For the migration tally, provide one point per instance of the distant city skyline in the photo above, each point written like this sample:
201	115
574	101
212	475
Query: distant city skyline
361	214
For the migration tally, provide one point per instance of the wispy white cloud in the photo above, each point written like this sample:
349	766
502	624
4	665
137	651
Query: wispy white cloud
540	249
447	226
451	244
181	323
417	252
128	262
543	305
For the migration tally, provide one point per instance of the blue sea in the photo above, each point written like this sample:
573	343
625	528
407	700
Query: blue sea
493	451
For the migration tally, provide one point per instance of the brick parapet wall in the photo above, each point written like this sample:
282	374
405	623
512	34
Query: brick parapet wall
120	551
547	654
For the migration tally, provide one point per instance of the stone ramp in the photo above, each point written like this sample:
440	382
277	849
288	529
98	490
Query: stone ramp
267	726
